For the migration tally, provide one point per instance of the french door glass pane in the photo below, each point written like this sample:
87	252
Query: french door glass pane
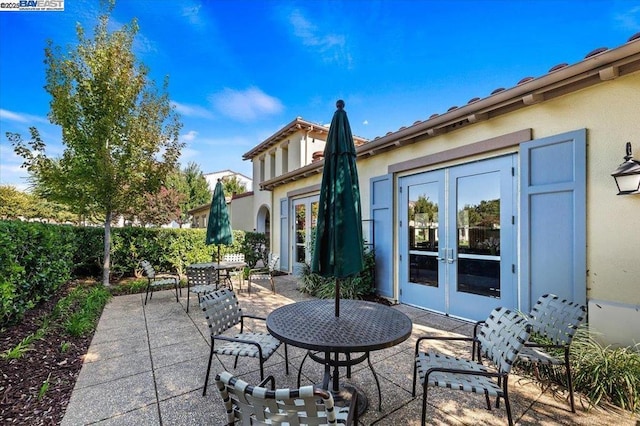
478	234
423	234
479	276
300	245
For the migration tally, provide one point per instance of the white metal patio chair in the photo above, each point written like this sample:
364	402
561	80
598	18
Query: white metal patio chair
307	405
157	280
238	273
499	339
223	313
265	273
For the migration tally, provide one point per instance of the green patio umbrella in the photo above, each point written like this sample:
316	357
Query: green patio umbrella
338	244
218	227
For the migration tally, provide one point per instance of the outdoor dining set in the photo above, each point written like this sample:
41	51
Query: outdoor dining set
341	342
338	340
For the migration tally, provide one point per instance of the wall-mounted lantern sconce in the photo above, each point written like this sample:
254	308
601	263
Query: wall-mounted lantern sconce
627	175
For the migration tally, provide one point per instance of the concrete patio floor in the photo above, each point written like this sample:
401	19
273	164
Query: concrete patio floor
146	366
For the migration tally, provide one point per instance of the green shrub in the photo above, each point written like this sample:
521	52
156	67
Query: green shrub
255	247
600	373
356	287
35	260
606	373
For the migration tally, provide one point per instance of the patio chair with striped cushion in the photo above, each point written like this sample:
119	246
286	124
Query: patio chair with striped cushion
223	313
253	405
499	339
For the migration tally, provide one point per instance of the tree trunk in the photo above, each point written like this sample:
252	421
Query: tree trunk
106	265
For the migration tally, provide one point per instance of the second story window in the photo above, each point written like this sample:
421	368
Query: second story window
272	165
261	166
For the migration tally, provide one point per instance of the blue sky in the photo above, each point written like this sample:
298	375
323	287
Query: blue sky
240	70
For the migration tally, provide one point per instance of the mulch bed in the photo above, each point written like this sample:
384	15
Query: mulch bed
21	379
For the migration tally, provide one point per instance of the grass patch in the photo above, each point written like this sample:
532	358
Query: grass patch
24	345
132	286
81	309
605	373
78	312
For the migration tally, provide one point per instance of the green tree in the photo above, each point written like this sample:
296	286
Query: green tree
161	207
120	132
191	183
16	204
232	185
13	203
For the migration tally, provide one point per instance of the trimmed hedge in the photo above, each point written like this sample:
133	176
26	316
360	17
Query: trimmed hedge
36	259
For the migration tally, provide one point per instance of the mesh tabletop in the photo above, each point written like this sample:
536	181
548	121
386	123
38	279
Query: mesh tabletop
361	326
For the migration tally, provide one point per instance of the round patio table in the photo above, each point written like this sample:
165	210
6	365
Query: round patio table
362	327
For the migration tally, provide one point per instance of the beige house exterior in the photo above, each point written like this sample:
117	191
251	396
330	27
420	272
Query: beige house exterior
285	153
548	143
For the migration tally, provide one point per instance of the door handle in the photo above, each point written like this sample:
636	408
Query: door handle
450	258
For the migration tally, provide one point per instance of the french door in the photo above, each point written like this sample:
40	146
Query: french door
305	214
457	238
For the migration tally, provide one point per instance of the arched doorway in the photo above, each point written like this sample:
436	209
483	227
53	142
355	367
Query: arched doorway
263	221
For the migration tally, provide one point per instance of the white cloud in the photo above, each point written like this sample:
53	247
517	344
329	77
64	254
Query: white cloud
21	118
331	46
189	136
192	110
11	172
192	13
245	105
365	122
629	20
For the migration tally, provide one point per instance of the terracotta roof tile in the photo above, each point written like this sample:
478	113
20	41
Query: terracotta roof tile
559	66
596	51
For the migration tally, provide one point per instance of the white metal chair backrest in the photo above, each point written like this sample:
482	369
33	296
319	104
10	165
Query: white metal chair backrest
233	257
273	262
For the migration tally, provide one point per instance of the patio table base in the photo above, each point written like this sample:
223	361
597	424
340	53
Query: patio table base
340	390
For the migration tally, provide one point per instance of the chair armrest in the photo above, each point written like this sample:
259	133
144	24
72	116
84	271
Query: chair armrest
476	326
242	317
443	338
236	340
544	345
460	371
258	271
252	317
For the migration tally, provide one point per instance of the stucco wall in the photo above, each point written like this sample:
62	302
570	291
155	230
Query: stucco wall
609	112
241	213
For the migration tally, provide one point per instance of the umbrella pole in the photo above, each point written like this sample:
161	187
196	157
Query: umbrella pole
337	304
218	269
